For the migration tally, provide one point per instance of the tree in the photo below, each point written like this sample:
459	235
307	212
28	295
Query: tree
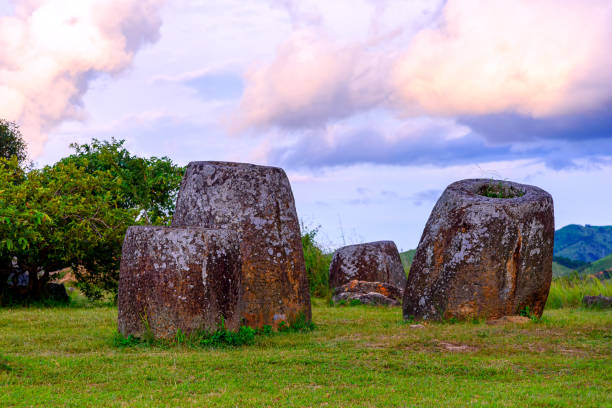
56	217
12	143
75	214
149	185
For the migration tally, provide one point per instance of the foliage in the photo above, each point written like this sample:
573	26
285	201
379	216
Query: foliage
149	185
75	214
571	263
358	356
219	338
12	143
499	190
569	291
317	263
56	217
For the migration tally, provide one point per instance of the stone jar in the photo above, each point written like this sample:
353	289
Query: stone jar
373	262
179	278
257	202
483	257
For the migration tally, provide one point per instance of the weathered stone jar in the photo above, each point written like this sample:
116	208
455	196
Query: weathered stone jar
179	278
257	202
483	256
373	262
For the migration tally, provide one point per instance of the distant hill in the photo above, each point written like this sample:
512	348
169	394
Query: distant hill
560	270
583	243
407	257
599	265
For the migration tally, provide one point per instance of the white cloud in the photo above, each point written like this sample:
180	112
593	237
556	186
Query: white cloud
51	49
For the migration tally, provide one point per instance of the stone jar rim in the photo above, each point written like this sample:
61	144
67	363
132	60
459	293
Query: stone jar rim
469	189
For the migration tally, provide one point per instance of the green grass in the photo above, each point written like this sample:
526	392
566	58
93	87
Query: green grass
568	292
357	356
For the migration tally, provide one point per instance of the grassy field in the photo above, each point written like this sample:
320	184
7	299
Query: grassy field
357	356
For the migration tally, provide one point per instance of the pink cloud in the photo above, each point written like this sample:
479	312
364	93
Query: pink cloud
533	57
51	49
537	58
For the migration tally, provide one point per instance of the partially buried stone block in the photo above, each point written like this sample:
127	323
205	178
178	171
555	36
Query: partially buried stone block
374	293
486	251
257	202
373	262
179	278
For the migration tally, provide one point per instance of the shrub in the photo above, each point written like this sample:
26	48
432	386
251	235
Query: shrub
317	263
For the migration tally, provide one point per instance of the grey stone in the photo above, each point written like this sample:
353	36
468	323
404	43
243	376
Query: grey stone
597	301
373	261
257	202
369	292
481	256
179	278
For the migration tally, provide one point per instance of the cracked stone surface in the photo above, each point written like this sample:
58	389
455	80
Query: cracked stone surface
374	262
257	202
483	257
179	278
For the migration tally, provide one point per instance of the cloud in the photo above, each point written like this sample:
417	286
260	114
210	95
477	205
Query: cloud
379	138
539	59
311	81
50	50
509	126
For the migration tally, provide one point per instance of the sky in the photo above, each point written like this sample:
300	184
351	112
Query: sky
372	107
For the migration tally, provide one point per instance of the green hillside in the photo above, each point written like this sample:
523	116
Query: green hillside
407	257
584	243
560	270
600	265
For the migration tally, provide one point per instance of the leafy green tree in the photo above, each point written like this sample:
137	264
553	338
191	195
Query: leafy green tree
149	185
56	217
75	214
12	143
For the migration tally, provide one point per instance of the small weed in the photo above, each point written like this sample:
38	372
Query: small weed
344	302
300	324
4	364
218	338
525	312
120	341
409	320
499	190
483	334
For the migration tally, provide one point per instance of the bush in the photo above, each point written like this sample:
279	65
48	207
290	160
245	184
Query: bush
317	263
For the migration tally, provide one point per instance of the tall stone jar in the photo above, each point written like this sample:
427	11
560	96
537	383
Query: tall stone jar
486	252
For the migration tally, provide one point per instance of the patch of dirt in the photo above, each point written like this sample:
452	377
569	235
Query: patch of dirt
457	348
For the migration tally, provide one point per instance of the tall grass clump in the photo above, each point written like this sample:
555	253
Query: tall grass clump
569	291
317	263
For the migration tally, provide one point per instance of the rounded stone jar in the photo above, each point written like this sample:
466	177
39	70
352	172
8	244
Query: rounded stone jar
486	252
